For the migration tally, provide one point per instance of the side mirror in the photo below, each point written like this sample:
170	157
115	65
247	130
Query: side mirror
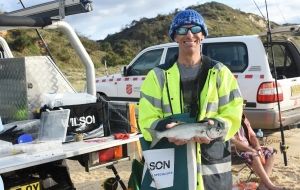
124	71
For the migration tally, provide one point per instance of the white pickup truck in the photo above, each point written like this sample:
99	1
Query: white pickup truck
246	57
24	82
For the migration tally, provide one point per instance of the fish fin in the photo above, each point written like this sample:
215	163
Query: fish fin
154	142
155	137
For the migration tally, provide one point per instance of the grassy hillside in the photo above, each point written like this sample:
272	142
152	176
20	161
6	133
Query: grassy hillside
27	43
119	48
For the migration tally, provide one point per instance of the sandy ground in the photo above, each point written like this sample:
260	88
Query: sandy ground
287	176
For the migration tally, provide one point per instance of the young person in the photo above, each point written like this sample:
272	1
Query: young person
261	159
201	87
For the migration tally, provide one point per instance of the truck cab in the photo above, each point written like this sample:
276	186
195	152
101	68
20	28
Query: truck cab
248	57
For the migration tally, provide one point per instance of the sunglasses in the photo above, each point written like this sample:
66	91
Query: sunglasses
184	30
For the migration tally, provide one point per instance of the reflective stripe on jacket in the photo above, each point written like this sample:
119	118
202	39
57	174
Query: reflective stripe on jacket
219	99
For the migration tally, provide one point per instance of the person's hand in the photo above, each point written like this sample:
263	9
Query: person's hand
201	140
178	141
261	156
204	140
171	125
175	140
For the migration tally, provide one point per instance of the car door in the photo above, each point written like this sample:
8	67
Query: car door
288	74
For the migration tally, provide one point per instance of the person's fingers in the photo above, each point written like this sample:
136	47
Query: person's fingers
177	141
180	142
171	125
210	122
171	140
201	140
205	141
196	139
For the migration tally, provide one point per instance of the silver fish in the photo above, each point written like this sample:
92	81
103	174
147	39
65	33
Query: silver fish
186	131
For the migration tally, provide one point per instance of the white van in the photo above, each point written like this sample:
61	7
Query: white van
246	57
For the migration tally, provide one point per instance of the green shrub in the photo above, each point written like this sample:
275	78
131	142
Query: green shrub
111	59
63	55
21	42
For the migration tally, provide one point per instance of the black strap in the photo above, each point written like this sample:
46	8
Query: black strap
245	127
168	92
206	65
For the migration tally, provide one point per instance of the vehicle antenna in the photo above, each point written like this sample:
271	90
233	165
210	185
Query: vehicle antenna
283	146
41	37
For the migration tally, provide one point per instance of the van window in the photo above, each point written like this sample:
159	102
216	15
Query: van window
145	62
285	66
233	55
172	53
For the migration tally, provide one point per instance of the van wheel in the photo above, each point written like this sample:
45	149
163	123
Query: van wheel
101	96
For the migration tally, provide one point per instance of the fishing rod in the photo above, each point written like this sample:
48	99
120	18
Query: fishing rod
283	146
40	36
259	9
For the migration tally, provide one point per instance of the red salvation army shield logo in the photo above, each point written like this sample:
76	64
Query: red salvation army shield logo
129	88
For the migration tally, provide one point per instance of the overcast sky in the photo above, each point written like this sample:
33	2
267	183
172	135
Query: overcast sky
110	16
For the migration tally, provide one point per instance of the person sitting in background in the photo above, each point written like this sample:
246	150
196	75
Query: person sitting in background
260	158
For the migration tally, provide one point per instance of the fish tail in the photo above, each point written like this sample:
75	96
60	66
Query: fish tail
155	137
154	142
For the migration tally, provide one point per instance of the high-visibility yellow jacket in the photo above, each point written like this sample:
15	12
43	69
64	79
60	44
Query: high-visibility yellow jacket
220	99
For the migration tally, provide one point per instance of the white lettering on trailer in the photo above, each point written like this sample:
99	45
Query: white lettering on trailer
82	120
